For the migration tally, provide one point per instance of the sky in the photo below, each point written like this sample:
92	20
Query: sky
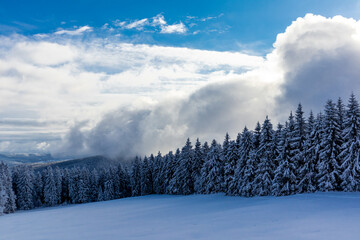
117	78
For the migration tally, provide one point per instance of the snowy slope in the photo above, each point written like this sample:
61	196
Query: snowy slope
308	216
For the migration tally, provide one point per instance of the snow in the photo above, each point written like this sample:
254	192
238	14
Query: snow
306	216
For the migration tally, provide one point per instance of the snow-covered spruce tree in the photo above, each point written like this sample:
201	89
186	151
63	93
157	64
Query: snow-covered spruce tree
340	114
173	187
115	179
297	142
100	194
50	188
108	190
351	147
124	178
65	186
228	161
264	171
212	173
151	164
340	117
38	190
25	187
93	185
307	172
74	178
6	178
277	139
135	177
284	182
257	135
168	170
232	157
328	169
245	169
183	172
198	162
158	174
3	197
58	183
146	178
205	149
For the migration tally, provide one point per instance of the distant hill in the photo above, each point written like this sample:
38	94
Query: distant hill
88	162
21	158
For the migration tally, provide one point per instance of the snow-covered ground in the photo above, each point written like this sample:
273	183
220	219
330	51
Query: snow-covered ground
307	216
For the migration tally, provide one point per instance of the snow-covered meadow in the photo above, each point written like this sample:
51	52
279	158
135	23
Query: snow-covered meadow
306	216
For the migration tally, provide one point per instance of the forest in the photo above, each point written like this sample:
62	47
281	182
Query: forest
305	154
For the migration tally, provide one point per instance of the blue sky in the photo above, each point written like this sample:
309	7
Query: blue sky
232	25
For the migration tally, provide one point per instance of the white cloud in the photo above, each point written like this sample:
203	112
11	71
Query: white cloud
65	80
315	59
175	28
120	98
157	23
138	24
158	20
75	32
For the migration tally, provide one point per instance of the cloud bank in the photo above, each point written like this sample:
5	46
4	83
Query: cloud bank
125	99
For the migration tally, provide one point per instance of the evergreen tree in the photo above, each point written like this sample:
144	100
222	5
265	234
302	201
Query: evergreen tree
108	190
93	185
50	188
246	167
146	178
284	182
169	169
212	173
58	183
198	162
25	188
3	197
38	190
351	147
7	181
65	197
183	173
265	153
307	172
231	159
297	142
328	169
158	174
124	182
174	185
135	177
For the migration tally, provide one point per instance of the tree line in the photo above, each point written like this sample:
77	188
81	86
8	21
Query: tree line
320	153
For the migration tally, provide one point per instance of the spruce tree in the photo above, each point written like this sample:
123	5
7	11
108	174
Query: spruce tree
328	169
183	173
50	188
298	141
232	157
6	178
174	183
198	162
246	167
307	172
135	177
284	182
212	173
146	178
263	179
351	147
